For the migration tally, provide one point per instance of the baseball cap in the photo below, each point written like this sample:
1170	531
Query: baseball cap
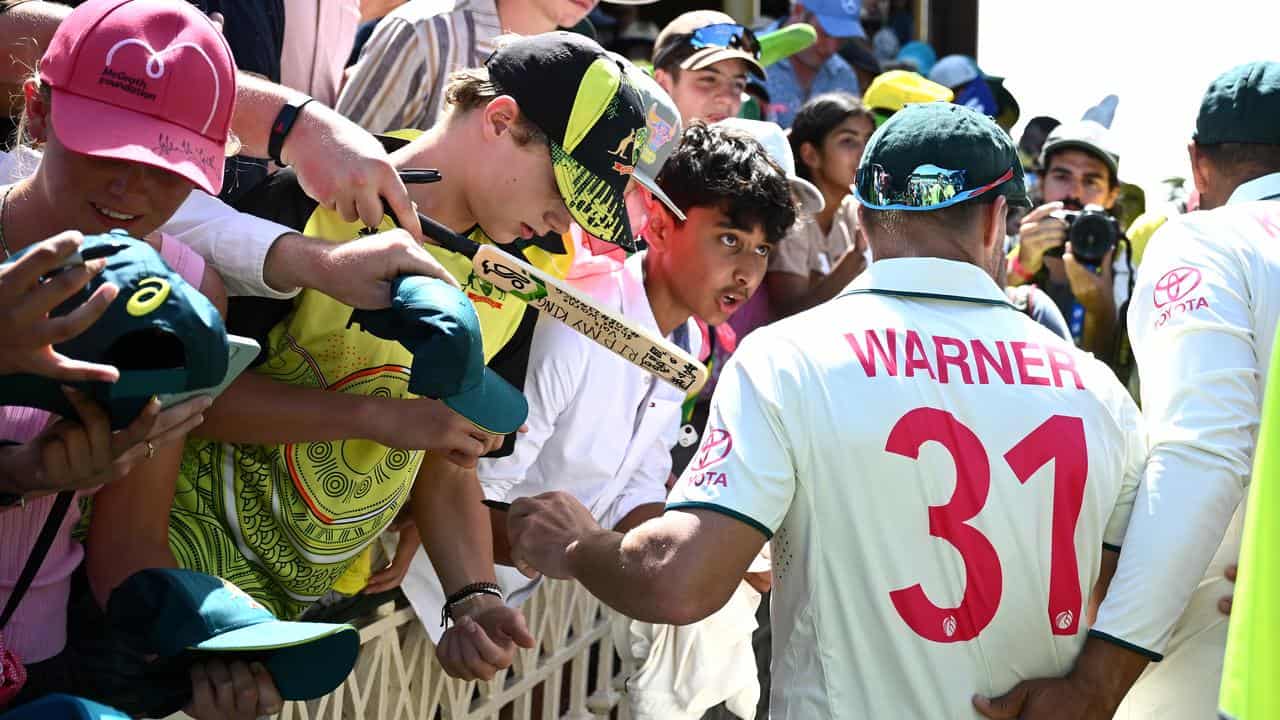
894	90
60	706
934	155
838	18
439	325
172	612
1241	106
1087	135
679	43
920	54
146	81
662	121
774	141
162	334
570	89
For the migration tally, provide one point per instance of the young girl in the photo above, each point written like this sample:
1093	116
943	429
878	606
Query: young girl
131	106
823	253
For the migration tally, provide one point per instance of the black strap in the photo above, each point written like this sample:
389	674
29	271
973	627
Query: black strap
38	552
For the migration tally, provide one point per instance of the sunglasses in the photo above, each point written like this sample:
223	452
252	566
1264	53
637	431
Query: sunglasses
928	187
723	35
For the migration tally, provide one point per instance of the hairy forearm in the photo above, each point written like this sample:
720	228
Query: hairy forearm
453	523
632	574
258	410
295	261
258	101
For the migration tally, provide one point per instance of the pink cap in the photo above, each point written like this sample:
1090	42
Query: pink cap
150	81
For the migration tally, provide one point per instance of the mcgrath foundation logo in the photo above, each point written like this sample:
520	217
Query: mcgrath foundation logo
155	69
1175	285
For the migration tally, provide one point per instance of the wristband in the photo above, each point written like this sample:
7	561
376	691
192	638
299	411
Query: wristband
466	593
280	129
1015	267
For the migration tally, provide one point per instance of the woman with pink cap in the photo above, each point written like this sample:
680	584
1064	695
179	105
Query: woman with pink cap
132	107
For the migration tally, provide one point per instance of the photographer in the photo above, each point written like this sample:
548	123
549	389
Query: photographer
1071	246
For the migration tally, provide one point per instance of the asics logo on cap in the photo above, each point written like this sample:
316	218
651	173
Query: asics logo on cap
155	70
151	294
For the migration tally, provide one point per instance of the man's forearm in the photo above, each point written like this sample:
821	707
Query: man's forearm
1108	670
1099	329
626	573
258	101
453	523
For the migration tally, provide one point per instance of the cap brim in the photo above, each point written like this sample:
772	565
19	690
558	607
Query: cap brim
841	26
64	707
494	405
306	660
595	205
706	57
652	186
807	195
785	42
100	129
1085	145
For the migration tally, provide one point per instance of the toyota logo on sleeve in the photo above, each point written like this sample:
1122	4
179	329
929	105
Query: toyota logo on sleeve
1175	285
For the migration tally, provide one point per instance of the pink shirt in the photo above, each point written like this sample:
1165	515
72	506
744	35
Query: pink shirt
318	35
38	629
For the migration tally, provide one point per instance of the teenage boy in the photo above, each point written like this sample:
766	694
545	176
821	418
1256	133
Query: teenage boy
312	455
702	59
600	428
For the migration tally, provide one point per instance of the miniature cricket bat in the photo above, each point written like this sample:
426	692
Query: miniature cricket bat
638	346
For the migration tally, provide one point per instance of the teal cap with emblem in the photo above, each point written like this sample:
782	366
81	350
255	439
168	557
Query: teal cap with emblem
438	324
930	156
162	334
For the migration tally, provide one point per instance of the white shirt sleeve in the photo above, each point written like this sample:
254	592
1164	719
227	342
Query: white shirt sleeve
744	466
557	362
1133	435
1196	352
648	484
234	243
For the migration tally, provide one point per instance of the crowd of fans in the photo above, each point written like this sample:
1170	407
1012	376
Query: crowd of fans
243	397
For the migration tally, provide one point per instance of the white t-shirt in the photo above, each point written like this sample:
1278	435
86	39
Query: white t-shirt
939	475
1202	323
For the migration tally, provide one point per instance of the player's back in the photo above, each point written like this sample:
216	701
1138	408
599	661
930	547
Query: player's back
957	468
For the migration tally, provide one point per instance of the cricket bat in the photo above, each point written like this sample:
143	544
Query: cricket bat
553	296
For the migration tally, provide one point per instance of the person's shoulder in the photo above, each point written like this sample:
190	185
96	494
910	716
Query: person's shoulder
421	12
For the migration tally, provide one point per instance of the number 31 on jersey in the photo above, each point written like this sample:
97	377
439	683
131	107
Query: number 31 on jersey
1061	439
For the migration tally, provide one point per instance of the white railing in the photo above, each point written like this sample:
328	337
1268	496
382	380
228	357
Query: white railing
397	676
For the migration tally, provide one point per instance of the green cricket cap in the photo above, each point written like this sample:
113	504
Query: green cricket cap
1242	106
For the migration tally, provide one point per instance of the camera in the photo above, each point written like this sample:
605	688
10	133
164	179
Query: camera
1091	232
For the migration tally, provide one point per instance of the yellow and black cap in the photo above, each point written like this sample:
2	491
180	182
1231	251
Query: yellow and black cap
580	98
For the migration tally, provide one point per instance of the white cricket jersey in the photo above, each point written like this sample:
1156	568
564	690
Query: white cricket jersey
939	475
1202	322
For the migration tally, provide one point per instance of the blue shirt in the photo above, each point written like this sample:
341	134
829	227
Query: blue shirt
786	95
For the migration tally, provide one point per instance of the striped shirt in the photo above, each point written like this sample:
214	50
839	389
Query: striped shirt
400	78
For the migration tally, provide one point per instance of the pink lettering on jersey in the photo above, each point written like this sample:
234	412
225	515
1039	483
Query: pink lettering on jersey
915	356
868	359
1061	362
1025	363
983	358
1179	308
958	359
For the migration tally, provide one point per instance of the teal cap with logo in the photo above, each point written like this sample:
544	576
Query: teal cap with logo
160	332
1241	106
438	324
177	614
930	156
